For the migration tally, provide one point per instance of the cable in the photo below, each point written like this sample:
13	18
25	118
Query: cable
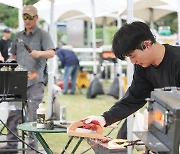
8	85
20	138
4	86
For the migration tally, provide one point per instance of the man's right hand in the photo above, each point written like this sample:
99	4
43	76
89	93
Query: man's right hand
1	58
95	119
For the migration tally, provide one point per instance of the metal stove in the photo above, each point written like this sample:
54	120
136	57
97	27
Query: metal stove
163	135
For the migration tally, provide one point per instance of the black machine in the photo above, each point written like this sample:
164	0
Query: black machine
13	87
13	84
163	135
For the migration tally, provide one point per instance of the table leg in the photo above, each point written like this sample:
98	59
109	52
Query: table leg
43	143
67	145
77	145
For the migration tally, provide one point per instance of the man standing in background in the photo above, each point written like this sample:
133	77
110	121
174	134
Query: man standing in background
42	48
5	45
70	63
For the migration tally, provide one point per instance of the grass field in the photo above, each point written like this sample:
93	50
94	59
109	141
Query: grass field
79	107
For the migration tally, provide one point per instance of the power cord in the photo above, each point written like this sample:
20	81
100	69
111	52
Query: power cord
20	138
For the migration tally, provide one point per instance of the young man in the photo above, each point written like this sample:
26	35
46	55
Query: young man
42	48
5	45
155	66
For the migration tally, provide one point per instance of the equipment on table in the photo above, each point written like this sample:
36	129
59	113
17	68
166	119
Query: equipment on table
163	135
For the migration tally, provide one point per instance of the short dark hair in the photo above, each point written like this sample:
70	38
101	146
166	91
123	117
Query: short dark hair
129	37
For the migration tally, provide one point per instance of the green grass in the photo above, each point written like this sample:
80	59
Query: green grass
77	108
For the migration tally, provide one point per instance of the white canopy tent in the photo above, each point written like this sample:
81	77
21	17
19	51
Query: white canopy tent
71	8
90	8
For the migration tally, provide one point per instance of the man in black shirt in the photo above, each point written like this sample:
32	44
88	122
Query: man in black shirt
155	66
5	44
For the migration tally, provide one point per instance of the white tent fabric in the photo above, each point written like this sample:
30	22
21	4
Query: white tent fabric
70	8
145	9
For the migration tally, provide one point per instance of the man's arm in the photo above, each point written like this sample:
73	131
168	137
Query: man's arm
42	54
1	57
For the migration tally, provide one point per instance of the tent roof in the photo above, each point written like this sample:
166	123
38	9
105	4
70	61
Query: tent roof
13	3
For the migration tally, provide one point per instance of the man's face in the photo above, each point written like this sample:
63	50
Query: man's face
29	21
7	35
143	58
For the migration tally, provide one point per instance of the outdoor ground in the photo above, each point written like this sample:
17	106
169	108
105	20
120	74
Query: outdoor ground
79	107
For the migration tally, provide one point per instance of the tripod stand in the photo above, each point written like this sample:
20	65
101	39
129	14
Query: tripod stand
19	139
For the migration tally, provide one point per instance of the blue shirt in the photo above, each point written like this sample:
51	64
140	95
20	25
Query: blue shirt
67	57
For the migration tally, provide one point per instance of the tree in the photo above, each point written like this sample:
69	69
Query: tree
9	15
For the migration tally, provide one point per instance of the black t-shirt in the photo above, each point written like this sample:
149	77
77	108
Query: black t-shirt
4	46
167	74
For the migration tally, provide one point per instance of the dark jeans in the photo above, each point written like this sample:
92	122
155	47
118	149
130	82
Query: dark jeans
70	71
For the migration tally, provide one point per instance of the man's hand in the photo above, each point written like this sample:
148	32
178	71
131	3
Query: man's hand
35	54
95	119
1	58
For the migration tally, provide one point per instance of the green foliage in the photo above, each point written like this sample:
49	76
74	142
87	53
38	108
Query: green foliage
110	31
9	16
169	20
29	2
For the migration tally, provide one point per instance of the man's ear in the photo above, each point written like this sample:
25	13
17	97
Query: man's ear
147	44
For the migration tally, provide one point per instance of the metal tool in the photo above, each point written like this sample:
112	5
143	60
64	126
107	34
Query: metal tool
25	45
28	49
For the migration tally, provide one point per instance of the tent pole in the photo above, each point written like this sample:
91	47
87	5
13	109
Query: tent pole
119	71
151	18
130	70
20	20
50	62
178	14
94	37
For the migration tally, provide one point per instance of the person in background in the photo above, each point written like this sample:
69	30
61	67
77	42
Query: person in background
70	63
42	48
5	45
155	66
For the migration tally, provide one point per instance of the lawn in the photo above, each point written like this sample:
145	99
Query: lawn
79	107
